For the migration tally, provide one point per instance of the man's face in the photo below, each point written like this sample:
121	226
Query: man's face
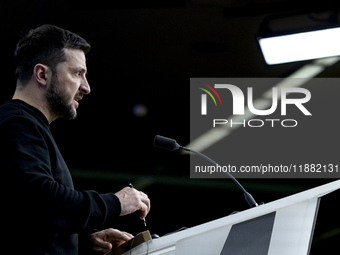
68	85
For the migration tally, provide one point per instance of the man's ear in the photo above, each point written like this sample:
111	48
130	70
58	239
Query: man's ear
42	74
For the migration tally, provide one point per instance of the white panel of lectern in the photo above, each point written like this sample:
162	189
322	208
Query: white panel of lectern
281	227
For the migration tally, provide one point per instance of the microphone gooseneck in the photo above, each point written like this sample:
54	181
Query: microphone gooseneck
171	144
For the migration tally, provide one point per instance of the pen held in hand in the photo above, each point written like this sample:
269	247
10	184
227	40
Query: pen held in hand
131	186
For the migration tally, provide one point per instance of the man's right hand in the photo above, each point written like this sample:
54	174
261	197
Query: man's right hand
132	200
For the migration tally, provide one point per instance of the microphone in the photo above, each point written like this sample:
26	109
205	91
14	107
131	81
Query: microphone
171	145
165	143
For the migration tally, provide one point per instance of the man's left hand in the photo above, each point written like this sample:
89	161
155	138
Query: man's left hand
108	239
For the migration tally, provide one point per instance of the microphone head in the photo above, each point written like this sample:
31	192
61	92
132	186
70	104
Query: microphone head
165	143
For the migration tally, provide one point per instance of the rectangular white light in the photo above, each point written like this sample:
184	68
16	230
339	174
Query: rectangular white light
301	46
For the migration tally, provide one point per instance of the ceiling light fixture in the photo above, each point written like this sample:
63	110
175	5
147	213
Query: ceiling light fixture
301	46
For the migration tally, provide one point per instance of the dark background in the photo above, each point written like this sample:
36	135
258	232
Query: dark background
144	53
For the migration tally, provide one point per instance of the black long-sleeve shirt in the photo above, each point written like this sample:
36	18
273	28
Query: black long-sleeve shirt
43	212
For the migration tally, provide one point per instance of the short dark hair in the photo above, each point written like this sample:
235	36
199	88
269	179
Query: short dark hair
45	45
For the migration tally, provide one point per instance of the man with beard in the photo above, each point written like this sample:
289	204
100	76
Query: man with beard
42	212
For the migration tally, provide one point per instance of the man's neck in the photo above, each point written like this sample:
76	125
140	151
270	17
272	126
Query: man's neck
35	100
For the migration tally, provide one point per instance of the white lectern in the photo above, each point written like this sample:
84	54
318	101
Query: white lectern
282	227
